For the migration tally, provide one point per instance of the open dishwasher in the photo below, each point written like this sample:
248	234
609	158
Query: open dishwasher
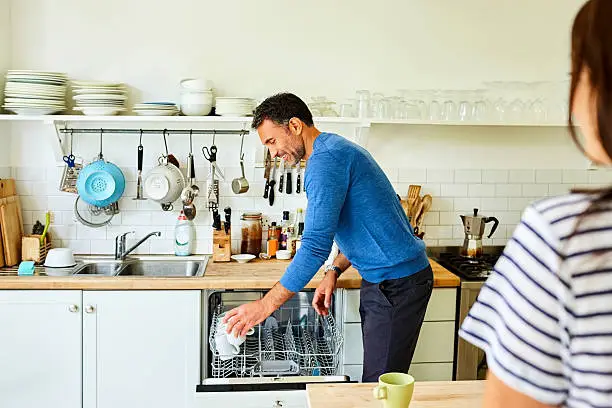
293	347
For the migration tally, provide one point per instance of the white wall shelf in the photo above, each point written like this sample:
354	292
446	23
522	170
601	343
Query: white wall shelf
246	121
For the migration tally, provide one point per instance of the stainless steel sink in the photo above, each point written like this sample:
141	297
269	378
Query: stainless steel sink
164	268
145	265
101	268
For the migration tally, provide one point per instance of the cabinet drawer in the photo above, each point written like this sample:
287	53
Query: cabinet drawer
436	343
351	307
432	371
353	344
252	399
441	307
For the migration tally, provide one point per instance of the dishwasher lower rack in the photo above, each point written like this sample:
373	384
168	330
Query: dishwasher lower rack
310	347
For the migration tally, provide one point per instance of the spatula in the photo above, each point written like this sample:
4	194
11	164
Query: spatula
413	192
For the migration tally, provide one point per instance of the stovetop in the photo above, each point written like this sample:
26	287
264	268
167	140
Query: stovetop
471	269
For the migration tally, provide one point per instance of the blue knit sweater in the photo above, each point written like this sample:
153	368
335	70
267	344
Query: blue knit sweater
351	200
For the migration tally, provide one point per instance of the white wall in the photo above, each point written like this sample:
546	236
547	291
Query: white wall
312	48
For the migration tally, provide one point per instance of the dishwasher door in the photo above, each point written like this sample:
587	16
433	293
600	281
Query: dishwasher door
293	347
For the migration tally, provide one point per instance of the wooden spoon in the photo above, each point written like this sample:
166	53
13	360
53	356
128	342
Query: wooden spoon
414	191
426	202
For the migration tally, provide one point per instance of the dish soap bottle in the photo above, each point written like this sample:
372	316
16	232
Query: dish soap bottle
184	236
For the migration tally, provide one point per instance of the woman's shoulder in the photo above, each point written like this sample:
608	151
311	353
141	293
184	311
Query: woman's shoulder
564	213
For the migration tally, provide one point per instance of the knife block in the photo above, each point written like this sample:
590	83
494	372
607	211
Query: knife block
222	245
32	250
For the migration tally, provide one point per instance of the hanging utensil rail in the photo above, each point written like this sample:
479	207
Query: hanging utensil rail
157	131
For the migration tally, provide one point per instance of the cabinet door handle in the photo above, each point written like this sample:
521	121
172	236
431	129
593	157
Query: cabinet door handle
90	309
278	404
73	308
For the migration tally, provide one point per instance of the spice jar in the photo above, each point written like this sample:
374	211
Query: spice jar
272	241
251	233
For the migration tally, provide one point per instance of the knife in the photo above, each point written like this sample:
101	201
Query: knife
281	180
228	219
268	165
273	181
298	187
216	220
289	186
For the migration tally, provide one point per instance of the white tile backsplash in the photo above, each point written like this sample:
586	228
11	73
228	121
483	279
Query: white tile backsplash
495	176
600	176
467	204
535	190
559	189
412	176
481	190
440	176
500	193
549	176
508	190
468	176
454	190
575	176
521	176
494	204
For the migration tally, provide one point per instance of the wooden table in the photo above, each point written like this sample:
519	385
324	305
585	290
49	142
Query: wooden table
438	394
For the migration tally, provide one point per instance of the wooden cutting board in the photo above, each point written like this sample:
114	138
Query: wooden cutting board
7	188
11	227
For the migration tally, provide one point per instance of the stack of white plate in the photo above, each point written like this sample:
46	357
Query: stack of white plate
234	106
155	109
35	92
95	98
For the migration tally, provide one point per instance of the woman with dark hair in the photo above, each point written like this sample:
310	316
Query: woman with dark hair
544	318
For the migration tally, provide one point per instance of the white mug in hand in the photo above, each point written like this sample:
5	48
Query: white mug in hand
230	338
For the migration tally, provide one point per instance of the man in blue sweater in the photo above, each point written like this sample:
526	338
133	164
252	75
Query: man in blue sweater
351	201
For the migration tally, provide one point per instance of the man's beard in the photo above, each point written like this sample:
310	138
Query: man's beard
300	152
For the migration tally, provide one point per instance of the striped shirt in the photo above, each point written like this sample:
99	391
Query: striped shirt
544	317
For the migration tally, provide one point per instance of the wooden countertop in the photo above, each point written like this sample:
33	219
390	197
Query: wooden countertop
257	274
438	394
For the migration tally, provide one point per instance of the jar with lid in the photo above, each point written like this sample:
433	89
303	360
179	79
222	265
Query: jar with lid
251	233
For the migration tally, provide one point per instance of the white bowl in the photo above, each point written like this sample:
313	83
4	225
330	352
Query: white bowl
243	258
283	254
197	96
196	84
196	109
60	258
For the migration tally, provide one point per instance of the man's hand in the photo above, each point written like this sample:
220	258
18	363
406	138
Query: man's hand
322	297
241	319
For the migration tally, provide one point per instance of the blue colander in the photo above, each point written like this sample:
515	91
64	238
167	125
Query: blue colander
101	183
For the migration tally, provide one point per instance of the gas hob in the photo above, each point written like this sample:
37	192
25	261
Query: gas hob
471	269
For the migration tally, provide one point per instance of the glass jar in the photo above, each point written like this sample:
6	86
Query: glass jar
251	233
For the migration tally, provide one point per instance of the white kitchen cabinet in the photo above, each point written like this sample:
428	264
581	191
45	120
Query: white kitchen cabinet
40	348
431	371
140	348
434	353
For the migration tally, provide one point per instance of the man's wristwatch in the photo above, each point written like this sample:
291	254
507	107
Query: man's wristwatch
333	267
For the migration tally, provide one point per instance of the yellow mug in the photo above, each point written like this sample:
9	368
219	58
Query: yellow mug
394	390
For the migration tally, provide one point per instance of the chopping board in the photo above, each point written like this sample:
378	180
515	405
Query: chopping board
11	228
7	188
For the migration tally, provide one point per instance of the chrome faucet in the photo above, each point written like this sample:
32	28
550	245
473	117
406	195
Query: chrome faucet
121	252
